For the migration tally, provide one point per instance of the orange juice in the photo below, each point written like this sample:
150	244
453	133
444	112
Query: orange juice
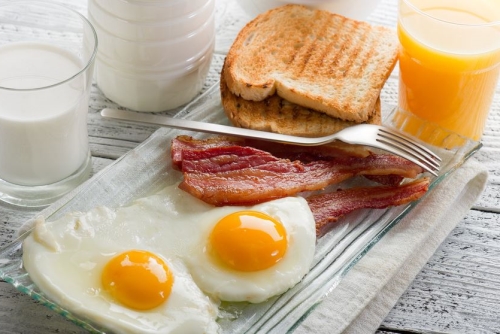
449	63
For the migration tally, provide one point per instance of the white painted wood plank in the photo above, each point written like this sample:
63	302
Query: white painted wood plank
20	314
458	290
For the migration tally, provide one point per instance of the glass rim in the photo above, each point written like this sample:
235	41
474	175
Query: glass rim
476	25
87	64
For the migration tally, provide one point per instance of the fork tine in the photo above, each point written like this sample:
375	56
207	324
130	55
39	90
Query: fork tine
396	150
402	151
410	150
410	143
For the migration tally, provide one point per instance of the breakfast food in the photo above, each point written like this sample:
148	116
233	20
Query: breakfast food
312	58
166	261
329	207
233	173
241	225
67	258
73	259
275	114
229	171
261	250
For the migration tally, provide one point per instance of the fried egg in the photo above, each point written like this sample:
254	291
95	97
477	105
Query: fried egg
120	283
163	263
254	253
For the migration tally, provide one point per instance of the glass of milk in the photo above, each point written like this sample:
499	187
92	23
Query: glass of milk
47	57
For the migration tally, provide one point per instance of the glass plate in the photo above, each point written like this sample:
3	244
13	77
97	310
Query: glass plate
146	169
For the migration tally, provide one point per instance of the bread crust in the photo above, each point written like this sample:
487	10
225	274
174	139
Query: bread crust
275	114
313	58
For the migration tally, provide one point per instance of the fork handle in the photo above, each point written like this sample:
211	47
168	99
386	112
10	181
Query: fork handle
185	124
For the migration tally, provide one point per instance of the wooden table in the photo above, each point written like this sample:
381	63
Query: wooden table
457	291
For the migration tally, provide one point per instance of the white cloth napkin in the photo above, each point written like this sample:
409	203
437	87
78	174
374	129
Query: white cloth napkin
372	287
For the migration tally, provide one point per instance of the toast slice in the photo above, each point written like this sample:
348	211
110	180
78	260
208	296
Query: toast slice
313	58
275	114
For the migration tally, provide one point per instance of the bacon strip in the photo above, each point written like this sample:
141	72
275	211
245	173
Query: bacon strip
187	150
386	180
183	144
309	153
249	186
222	172
329	207
227	158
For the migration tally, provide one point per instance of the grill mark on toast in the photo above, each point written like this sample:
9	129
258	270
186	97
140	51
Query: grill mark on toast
318	65
352	67
312	45
327	49
357	59
335	68
294	56
303	61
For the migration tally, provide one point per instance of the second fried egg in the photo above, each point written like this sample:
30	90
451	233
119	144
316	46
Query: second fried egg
254	253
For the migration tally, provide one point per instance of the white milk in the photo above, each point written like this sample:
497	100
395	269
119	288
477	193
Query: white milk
43	132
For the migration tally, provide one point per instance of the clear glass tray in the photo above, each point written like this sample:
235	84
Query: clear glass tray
146	169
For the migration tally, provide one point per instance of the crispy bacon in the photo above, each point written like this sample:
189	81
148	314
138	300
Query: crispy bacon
227	158
329	207
227	171
186	149
386	180
183	144
253	185
222	172
310	153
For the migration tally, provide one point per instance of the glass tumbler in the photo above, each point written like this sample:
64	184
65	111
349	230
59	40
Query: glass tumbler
47	57
449	66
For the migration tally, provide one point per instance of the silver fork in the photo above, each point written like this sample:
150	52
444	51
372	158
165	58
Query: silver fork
364	134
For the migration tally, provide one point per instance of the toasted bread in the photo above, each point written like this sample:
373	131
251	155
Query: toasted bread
312	58
275	114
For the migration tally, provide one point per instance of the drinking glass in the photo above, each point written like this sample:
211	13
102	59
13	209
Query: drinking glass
47	54
449	67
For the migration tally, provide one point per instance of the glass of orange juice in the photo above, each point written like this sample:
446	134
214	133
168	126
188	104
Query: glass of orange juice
449	64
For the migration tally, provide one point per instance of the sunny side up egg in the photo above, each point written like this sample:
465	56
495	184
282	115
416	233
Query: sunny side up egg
254	254
70	259
201	253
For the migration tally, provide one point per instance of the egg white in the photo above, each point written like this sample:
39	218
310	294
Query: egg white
65	260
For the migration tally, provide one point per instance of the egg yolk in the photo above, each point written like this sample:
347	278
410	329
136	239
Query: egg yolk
249	241
138	279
